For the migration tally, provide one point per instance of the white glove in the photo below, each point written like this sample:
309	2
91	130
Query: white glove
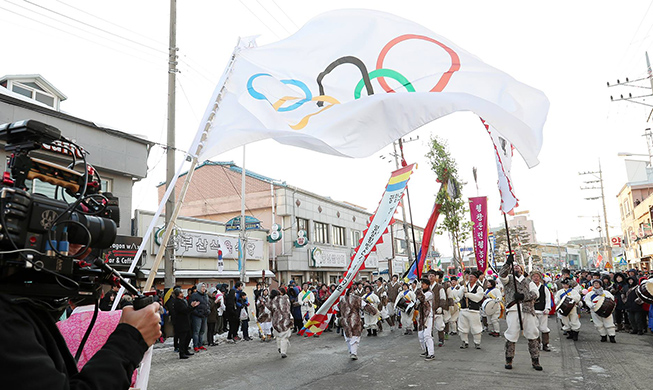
439	310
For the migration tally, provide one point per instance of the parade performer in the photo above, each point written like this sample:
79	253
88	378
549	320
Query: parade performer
604	325
470	296
282	321
405	302
521	293
492	293
542	308
264	317
425	320
451	318
381	291
306	300
439	303
371	319
570	322
393	289
350	307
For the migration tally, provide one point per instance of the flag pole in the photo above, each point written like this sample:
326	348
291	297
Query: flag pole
198	144
410	209
512	266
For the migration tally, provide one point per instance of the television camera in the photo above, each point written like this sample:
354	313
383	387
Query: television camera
41	238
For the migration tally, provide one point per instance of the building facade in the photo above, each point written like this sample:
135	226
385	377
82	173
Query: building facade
331	229
636	211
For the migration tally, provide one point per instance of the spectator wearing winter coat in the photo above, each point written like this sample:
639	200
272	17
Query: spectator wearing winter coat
232	311
295	309
244	321
181	321
619	289
219	303
199	317
212	319
634	307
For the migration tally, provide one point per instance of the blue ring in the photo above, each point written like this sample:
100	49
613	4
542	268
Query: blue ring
259	96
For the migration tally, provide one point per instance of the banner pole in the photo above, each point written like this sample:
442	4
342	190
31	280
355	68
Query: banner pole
512	266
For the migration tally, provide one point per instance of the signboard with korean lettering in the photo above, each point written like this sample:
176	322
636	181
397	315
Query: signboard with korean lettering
191	243
122	251
325	258
478	210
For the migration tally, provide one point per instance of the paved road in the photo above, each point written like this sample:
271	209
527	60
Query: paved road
392	360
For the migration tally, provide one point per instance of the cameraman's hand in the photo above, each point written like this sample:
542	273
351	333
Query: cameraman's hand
146	320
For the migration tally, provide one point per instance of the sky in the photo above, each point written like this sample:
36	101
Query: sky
110	59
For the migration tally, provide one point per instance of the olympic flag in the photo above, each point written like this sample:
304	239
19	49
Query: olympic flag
394	191
503	156
350	82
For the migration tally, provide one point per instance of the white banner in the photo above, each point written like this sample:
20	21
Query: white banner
503	157
397	76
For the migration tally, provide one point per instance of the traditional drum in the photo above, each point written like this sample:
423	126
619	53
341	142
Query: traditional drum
566	306
491	307
603	307
405	305
645	291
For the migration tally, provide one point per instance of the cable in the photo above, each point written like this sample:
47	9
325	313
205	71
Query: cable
272	16
78	354
284	12
259	19
73	34
94	27
111	23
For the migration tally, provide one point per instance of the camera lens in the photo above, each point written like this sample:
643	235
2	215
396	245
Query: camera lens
103	231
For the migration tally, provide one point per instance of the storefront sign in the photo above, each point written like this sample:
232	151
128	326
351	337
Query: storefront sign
122	251
190	243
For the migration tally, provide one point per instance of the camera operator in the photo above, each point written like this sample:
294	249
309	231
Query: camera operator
34	354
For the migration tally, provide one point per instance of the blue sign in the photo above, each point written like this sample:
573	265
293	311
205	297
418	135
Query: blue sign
251	223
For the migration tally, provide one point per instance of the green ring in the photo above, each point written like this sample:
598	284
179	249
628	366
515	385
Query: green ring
393	74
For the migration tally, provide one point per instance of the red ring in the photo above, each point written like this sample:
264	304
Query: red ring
444	80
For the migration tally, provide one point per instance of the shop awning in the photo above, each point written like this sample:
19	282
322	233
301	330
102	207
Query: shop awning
212	274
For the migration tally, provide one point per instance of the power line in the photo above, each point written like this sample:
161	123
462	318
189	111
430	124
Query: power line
284	12
111	23
95	27
259	19
72	34
273	17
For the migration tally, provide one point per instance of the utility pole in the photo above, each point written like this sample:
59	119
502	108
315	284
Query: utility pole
606	246
637	83
169	262
243	236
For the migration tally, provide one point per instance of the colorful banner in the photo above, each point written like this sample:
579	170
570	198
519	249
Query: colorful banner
417	268
375	79
394	191
478	210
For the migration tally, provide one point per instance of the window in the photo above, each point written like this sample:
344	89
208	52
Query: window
33	91
400	246
338	235
302	224
321	233
355	238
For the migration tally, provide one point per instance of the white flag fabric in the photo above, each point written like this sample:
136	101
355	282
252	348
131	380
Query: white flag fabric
503	156
350	82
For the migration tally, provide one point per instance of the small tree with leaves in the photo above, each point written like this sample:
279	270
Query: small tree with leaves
453	207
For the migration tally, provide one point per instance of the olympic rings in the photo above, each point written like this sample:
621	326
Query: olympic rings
259	96
444	80
380	73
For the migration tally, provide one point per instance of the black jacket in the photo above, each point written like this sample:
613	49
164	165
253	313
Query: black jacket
230	303
631	296
34	355
181	319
